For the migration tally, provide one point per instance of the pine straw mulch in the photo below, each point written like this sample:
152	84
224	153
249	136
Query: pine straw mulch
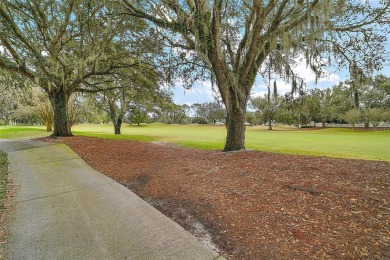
256	205
6	207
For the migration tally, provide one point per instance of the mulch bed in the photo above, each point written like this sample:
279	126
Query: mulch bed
256	205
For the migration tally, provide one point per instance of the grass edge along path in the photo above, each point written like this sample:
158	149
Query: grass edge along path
3	178
4	210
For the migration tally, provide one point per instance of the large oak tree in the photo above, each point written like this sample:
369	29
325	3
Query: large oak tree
64	47
234	39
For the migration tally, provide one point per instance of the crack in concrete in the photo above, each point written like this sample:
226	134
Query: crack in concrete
65	192
63	160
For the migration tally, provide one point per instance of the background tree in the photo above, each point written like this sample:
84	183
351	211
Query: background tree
352	117
340	102
177	114
182	114
375	116
214	112
134	93
200	113
319	106
268	105
11	89
43	107
26	115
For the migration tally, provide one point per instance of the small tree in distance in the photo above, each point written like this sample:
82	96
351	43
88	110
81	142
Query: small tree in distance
352	117
375	116
43	107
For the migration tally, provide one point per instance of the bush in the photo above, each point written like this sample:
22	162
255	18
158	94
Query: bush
2	122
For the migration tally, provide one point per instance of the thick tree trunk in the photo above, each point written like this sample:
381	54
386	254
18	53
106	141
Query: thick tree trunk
235	126
117	125
323	124
49	126
270	123
59	102
235	97
234	87
356	99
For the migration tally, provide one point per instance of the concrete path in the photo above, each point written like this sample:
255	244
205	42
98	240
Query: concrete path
67	210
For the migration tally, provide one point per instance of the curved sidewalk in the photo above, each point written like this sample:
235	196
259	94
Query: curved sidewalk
66	210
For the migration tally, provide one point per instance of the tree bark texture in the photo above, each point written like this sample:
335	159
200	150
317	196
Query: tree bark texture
235	97
59	101
235	138
270	123
49	126
117	125
235	121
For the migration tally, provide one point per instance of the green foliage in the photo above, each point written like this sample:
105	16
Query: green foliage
375	116
139	117
333	104
79	47
234	40
267	106
353	116
27	115
208	113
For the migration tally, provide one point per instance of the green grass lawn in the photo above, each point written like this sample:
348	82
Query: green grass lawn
343	143
22	132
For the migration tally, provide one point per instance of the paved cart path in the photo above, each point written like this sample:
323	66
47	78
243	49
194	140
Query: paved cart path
64	209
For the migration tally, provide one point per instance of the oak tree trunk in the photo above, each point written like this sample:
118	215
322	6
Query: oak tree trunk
235	138
49	126
59	102
117	125
235	125
270	123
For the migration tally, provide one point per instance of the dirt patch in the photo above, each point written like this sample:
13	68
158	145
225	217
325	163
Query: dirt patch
256	205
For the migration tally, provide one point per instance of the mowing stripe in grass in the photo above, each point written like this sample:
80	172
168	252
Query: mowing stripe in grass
331	142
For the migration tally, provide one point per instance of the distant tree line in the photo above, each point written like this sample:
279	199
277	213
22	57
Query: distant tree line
370	104
134	104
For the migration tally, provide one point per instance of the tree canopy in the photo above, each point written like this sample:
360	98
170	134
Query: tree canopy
233	39
67	46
